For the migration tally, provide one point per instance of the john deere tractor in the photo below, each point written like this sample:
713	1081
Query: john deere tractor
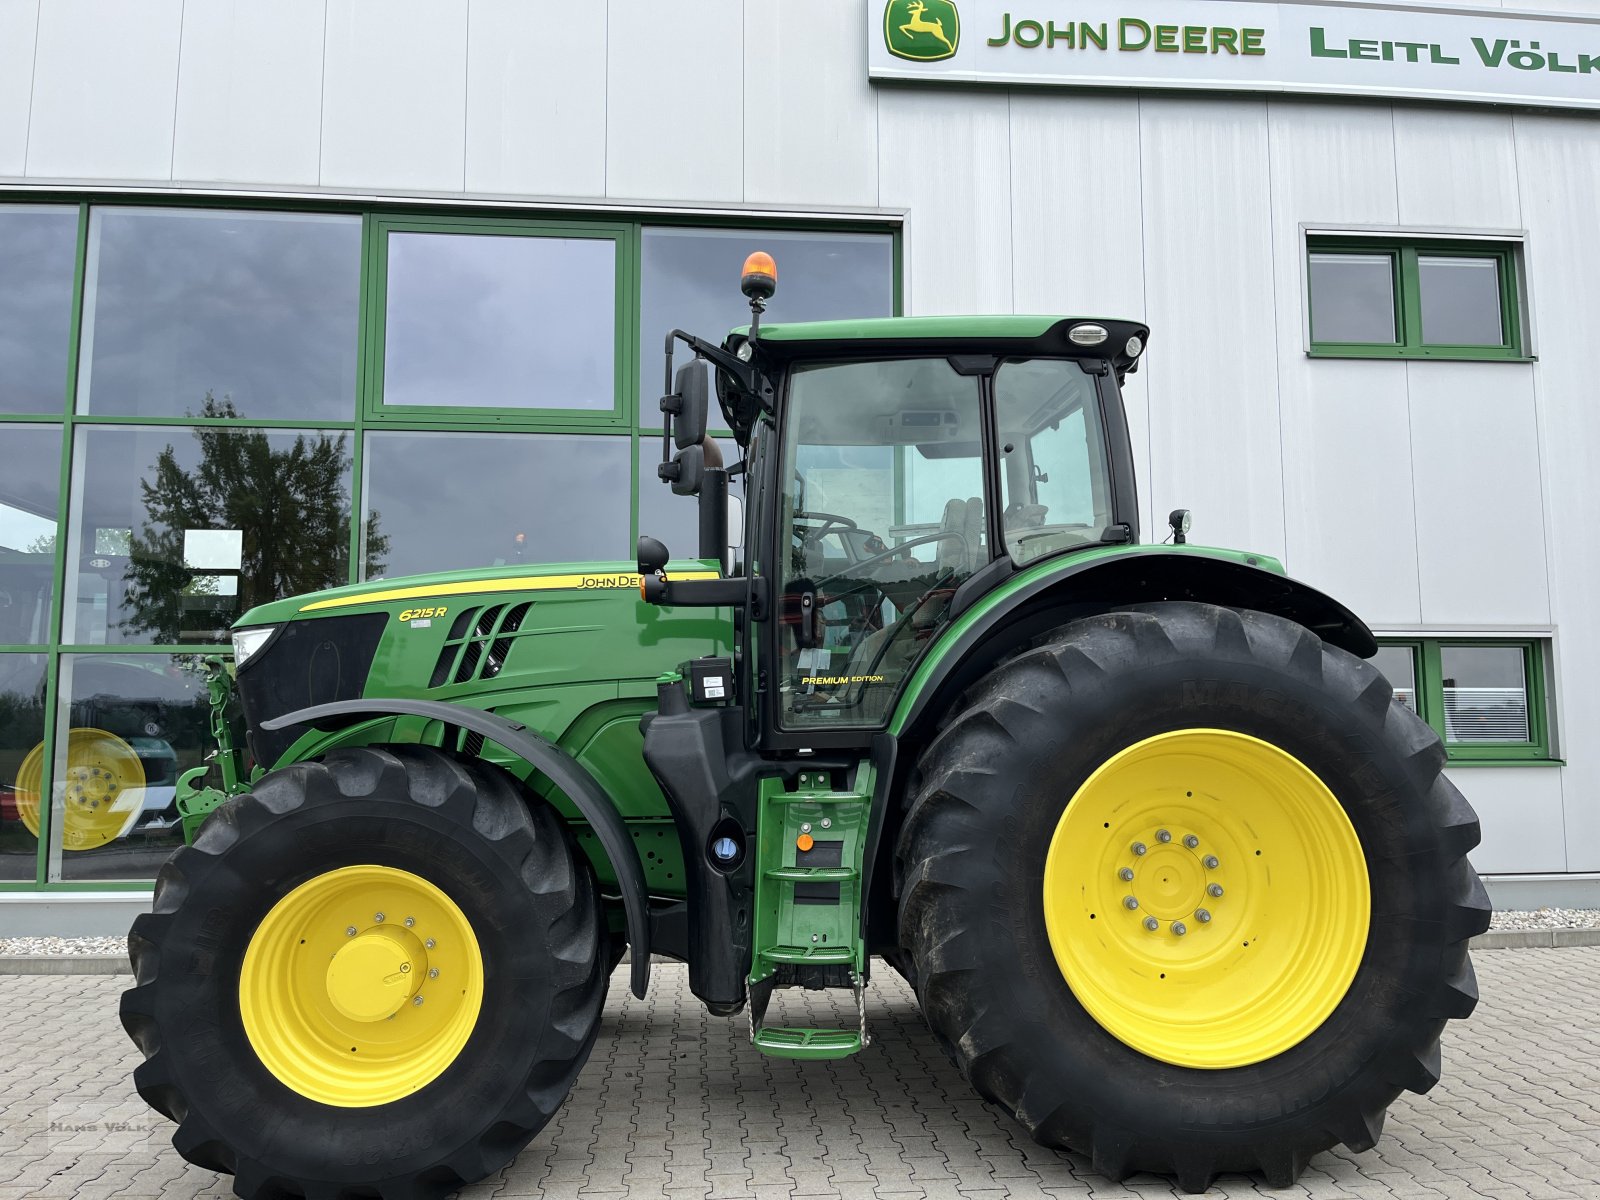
1176	880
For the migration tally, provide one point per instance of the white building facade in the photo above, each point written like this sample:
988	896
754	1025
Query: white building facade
1431	463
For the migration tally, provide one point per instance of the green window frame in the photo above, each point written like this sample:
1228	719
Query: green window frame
375	293
1404	256
1426	659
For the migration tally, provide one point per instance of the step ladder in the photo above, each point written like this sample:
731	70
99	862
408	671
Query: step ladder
810	840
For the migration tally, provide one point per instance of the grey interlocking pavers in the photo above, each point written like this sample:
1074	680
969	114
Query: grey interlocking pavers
675	1104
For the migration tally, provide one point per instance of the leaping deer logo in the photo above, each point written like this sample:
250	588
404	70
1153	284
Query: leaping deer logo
917	24
921	30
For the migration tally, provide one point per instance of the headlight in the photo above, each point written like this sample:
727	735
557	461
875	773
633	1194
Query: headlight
247	641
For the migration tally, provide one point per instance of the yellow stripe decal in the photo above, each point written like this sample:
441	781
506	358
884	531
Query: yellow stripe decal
521	583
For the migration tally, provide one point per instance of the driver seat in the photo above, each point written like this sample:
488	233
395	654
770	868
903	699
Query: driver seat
962	554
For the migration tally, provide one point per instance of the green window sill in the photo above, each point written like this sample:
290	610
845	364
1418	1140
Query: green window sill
1387	353
1506	762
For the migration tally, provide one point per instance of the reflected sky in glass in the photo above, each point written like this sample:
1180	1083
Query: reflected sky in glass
483	321
30	482
255	310
1461	301
448	500
690	281
38	246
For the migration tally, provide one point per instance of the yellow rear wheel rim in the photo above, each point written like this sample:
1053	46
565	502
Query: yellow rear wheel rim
1206	898
361	986
101	789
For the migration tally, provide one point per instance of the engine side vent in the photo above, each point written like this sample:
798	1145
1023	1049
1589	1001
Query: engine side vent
501	647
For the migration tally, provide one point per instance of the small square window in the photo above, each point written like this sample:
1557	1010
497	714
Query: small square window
1460	301
1399	666
1485	693
1485	699
1353	298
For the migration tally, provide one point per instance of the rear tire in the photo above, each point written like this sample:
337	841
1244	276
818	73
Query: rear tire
993	789
209	1016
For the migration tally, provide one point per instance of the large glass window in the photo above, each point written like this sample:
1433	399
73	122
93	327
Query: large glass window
1485	699
38	249
30	475
672	519
1422	298
883	518
176	532
443	500
1055	491
482	320
22	701
689	280
126	727
199	312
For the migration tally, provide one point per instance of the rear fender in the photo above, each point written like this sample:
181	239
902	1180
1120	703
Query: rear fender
563	771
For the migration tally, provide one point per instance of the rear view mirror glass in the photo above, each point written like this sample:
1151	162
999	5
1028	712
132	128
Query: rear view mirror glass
692	388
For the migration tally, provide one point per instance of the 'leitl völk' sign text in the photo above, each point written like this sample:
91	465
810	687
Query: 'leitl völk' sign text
1478	55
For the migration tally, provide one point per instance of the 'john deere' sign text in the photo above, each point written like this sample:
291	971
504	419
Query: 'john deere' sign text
1486	55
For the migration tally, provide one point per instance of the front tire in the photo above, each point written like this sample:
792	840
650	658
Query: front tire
373	975
1114	995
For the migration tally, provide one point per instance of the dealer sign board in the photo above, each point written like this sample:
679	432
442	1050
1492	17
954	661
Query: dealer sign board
1475	55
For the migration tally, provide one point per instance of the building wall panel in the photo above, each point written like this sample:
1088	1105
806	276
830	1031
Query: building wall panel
1563	250
395	88
536	104
946	155
809	107
19	25
1480	514
1456	168
1350	523
250	92
1521	813
104	85
675	116
1212	372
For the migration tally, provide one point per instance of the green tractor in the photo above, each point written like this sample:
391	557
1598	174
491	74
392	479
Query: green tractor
1176	880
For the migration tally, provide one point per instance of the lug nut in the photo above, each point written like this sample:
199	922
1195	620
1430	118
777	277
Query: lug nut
1129	902
1179	928
378	917
1125	874
806	827
1163	836
1139	848
1213	889
1152	924
1190	840
430	943
1211	862
1202	915
410	921
827	822
433	972
349	931
416	1001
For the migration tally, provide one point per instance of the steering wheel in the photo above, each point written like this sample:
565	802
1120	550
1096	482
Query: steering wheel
829	520
862	564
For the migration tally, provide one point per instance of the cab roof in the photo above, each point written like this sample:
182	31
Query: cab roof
1009	334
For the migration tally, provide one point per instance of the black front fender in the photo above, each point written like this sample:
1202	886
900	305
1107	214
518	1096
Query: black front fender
564	771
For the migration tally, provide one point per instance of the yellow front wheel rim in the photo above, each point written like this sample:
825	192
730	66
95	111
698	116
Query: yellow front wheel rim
1206	898
361	986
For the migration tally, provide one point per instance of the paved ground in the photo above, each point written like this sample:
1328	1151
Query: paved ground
675	1103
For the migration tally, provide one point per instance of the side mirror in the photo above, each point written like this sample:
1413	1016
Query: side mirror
735	521
687	407
653	556
684	471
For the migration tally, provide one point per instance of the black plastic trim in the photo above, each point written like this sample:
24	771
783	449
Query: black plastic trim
553	762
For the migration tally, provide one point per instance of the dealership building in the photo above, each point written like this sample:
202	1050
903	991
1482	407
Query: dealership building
295	293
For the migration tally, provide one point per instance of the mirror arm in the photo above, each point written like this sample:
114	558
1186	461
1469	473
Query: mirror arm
742	373
706	593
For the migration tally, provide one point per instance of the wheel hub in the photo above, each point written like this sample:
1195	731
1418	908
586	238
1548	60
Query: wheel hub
1206	898
371	976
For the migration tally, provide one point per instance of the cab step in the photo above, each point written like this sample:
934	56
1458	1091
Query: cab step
807	1044
814	955
812	874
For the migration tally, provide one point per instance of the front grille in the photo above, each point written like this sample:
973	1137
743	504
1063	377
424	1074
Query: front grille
310	662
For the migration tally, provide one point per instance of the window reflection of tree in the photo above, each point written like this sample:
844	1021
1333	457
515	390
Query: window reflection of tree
291	504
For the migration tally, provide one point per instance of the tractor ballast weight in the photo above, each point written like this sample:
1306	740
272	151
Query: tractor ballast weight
1152	842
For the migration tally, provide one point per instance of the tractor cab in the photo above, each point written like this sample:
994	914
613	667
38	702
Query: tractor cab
897	469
